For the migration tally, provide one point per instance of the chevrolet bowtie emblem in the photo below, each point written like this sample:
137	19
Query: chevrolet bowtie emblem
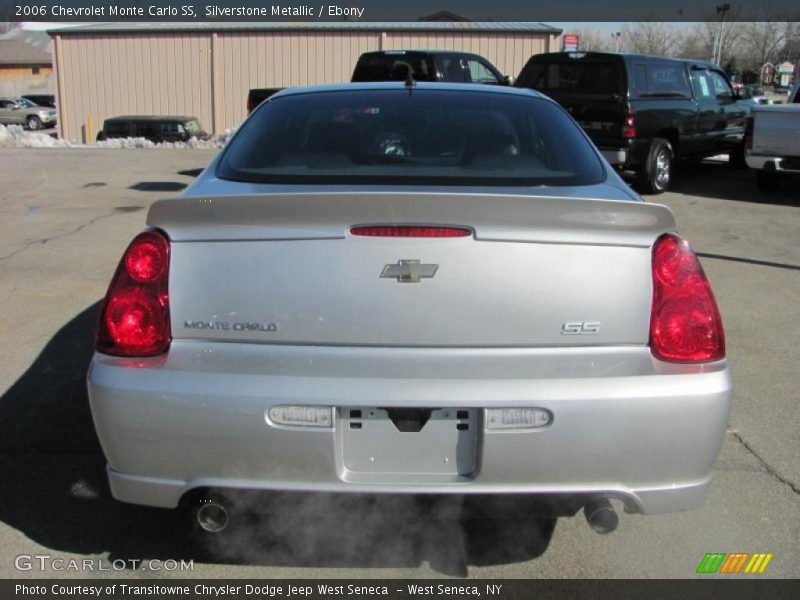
409	271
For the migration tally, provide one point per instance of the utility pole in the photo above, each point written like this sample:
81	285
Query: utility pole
616	35
717	50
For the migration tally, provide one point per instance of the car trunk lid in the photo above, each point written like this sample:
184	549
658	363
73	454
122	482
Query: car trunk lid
535	271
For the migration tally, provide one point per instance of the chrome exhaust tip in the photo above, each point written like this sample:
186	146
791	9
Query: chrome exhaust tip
212	517
601	516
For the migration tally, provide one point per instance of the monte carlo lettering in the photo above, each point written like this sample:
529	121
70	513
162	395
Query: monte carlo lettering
230	326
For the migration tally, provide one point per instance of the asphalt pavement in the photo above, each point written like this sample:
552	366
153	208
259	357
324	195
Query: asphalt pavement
67	215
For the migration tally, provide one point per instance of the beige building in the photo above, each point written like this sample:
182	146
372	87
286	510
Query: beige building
206	69
24	69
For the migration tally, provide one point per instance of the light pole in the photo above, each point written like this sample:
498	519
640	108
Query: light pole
616	35
721	10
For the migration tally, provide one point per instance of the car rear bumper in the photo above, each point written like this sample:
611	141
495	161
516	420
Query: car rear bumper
788	165
615	156
623	425
631	156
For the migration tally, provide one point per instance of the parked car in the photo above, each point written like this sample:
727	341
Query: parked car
642	111
773	144
157	129
395	290
257	95
427	65
42	99
18	111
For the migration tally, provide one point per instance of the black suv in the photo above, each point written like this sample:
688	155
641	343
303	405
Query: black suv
427	65
643	112
42	99
157	129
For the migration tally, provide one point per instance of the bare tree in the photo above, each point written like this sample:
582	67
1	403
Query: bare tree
765	38
791	47
697	42
762	42
730	40
651	37
701	41
592	40
745	46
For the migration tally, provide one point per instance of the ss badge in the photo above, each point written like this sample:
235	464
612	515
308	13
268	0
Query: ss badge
580	328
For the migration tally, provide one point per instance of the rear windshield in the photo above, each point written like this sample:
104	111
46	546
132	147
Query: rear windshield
603	77
393	67
423	136
660	80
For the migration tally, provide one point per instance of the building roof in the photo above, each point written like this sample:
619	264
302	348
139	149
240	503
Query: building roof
13	52
36	38
444	15
439	26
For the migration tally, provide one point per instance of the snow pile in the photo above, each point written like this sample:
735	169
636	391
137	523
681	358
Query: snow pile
212	143
15	136
123	143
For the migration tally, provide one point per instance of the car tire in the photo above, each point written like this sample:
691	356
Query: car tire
34	123
658	169
767	181
736	158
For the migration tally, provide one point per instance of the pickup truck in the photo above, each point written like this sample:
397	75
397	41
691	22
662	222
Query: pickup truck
427	65
257	95
772	143
645	112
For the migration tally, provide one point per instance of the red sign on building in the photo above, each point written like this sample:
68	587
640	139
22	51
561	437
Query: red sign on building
571	42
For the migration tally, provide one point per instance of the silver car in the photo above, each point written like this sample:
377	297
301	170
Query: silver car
21	111
411	289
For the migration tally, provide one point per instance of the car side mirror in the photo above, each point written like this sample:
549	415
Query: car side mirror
15	107
508	80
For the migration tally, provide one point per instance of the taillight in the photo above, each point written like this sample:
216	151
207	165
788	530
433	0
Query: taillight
414	231
685	324
629	127
134	318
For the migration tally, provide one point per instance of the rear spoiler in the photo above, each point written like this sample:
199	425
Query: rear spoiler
492	217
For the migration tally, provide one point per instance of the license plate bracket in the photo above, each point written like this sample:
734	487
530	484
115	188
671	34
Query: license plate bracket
408	444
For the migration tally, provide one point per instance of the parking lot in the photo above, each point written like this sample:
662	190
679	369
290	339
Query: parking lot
67	215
